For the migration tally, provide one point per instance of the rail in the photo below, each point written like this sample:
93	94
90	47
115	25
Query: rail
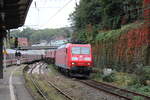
63	93
50	84
123	93
36	85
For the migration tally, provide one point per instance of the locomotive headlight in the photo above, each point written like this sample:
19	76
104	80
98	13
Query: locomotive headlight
74	58
87	59
73	63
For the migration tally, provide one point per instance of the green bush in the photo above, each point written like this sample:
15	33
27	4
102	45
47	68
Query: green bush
96	76
114	34
124	79
146	70
144	74
109	78
121	79
140	89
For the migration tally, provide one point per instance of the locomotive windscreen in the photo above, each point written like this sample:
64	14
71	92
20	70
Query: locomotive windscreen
80	50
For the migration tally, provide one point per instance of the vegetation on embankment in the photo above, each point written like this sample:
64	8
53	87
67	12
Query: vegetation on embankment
92	16
128	37
125	51
124	80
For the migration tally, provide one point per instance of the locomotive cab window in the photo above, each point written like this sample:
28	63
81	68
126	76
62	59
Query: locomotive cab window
80	50
85	50
75	50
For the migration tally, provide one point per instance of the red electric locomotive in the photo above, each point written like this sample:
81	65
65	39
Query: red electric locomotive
75	59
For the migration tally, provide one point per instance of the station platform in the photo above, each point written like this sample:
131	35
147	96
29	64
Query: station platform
12	85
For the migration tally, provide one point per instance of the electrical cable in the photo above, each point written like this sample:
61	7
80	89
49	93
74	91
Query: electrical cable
57	12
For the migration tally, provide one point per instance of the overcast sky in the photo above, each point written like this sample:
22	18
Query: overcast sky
50	13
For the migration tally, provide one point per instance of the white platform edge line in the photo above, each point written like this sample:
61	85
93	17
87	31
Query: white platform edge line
12	94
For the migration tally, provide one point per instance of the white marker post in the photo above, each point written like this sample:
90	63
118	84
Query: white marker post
4	64
4	54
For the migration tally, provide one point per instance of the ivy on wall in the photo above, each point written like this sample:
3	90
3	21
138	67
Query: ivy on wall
122	49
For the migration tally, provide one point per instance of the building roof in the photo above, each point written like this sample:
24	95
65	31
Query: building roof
13	13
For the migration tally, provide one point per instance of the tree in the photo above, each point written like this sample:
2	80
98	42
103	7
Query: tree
102	14
45	34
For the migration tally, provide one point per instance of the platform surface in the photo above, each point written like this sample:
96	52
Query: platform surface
12	86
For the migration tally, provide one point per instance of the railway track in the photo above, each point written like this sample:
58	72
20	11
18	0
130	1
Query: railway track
40	91
50	84
111	89
122	93
35	83
58	89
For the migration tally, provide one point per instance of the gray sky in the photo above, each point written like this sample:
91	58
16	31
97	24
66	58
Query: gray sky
50	13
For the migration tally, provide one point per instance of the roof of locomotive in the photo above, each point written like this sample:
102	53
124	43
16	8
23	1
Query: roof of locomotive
74	45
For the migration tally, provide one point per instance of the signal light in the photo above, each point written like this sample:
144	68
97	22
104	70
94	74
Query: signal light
16	42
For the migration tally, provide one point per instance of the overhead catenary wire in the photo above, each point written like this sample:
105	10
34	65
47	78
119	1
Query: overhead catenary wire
45	7
59	10
40	7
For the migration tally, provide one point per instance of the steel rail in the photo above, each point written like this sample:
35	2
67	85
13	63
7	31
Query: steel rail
35	83
121	89
50	84
103	89
40	68
123	93
59	90
38	89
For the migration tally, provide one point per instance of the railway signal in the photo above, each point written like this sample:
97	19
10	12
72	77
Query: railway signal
16	42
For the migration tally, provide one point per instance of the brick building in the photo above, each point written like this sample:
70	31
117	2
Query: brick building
23	42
